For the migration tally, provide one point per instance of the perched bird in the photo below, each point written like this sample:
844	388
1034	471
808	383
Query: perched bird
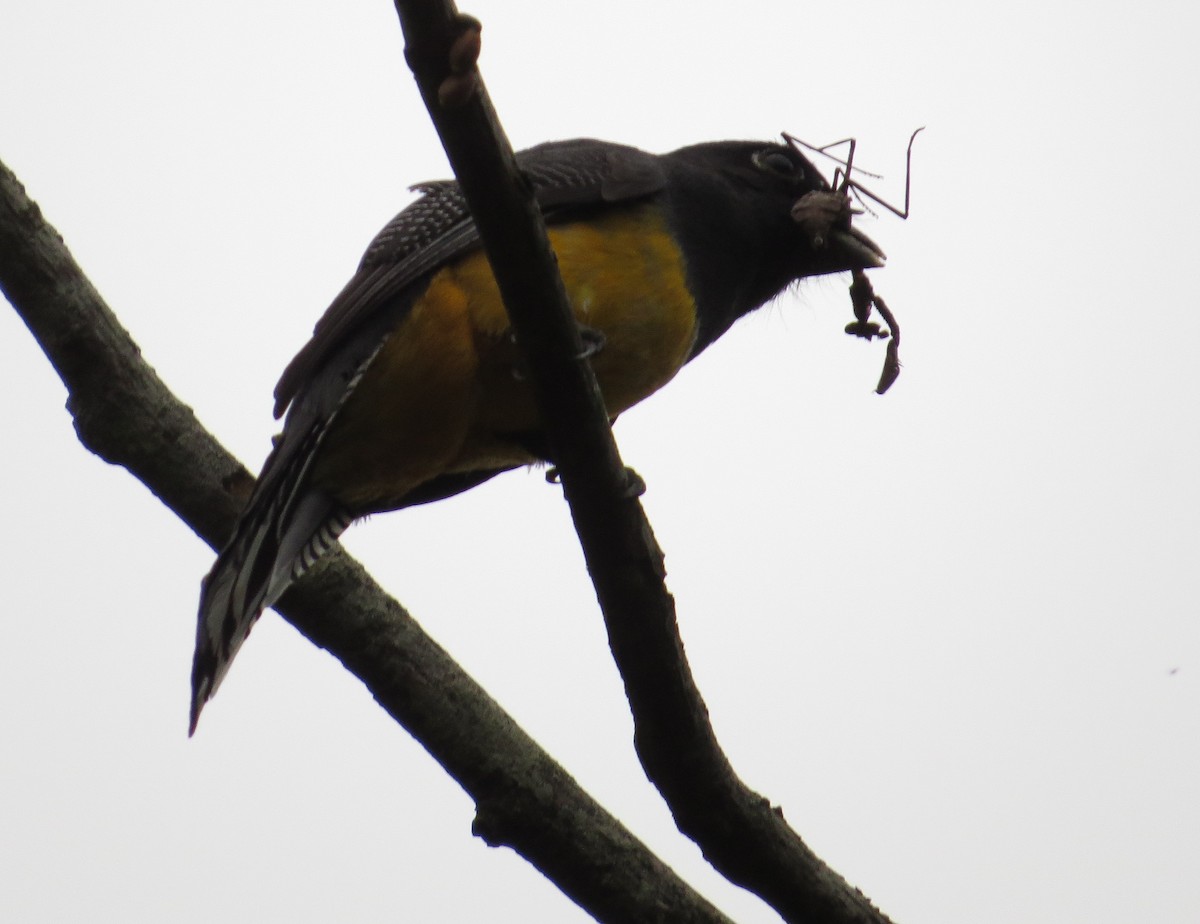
409	390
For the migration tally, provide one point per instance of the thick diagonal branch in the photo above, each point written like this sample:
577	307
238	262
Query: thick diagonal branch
126	415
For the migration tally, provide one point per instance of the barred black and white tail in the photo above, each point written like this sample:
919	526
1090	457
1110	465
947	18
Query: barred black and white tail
282	534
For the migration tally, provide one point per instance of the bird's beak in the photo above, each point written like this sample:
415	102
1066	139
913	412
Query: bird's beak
855	250
824	218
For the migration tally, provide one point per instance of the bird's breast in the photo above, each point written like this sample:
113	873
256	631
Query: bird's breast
447	393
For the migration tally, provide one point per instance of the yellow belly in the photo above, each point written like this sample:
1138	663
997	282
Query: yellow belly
442	394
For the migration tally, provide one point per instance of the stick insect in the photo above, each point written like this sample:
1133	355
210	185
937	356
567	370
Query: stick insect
822	211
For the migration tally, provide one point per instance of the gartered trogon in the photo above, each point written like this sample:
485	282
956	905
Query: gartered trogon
410	388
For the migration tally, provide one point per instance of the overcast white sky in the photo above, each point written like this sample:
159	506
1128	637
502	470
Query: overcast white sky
953	631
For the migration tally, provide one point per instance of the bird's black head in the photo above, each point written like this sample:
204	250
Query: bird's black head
731	203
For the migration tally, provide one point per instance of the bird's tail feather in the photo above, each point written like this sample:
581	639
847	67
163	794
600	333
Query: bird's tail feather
279	537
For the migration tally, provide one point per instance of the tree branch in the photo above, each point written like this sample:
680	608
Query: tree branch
737	829
126	415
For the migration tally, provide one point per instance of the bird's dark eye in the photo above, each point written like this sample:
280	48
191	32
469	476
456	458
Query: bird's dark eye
778	163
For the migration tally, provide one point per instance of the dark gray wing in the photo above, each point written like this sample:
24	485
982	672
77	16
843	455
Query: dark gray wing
565	175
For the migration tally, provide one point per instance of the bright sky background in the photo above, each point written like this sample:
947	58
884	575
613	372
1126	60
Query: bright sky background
953	631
